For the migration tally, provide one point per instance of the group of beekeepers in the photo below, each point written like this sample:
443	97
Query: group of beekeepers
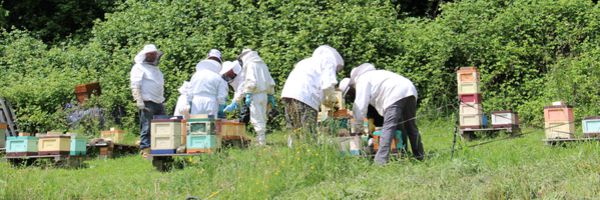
312	82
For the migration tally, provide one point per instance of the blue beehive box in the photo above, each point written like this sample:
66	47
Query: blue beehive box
202	141
21	146
591	126
78	146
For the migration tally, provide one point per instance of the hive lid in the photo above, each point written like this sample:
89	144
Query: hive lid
504	111
201	116
21	138
592	117
560	106
54	136
472	68
166	117
167	120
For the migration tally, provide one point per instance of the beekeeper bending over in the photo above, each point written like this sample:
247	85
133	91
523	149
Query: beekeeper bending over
147	88
311	82
257	90
394	97
207	89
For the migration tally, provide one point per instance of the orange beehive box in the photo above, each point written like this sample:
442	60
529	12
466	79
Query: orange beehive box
467	74
559	113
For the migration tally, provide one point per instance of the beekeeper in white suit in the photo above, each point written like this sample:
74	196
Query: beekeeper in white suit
232	73
147	88
257	88
207	89
311	83
394	97
182	108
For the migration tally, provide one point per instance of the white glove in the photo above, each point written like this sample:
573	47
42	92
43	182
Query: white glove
137	95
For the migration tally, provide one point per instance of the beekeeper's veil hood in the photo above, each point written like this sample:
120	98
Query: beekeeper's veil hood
330	53
141	56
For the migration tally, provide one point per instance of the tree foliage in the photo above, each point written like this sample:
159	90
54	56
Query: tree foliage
521	47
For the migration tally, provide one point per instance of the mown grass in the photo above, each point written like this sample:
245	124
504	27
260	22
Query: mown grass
517	168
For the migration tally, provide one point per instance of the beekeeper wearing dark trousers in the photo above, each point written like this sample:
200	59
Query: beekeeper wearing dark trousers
394	97
311	83
147	88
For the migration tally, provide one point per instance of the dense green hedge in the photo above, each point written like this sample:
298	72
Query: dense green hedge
530	52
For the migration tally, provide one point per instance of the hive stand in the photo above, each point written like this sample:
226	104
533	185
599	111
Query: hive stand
107	149
65	161
469	134
562	142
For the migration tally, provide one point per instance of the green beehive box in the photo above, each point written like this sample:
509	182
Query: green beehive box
78	146
22	144
201	127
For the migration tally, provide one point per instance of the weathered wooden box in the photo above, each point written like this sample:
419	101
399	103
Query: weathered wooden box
559	130
471	121
52	144
165	136
467	74
21	146
470	98
469	88
114	135
231	128
470	109
203	143
504	119
560	113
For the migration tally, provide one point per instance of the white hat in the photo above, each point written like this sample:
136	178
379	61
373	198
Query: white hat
214	53
344	86
361	69
231	65
141	56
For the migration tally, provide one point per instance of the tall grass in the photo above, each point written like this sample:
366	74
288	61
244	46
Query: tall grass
518	168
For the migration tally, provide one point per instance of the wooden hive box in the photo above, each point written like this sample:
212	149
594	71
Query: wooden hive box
470	98
78	146
52	144
560	113
470	109
201	126
21	146
471	121
559	130
3	131
469	88
591	126
467	74
114	135
504	119
203	143
232	129
165	136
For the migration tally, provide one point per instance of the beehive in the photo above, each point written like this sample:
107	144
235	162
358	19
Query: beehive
470	109
165	136
78	146
467	74
231	128
591	126
3	128
558	113
396	145
471	121
470	98
469	88
559	130
504	119
201	126
21	146
52	144
114	135
350	145
203	143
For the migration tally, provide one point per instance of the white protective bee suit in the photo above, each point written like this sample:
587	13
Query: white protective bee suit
258	83
313	80
207	89
182	107
236	83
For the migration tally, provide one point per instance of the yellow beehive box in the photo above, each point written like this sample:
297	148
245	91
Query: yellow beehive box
560	130
54	144
470	109
230	128
469	88
114	135
165	136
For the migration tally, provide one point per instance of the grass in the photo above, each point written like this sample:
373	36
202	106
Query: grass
517	168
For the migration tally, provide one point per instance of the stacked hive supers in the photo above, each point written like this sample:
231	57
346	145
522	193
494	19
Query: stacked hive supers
166	136
559	121
470	113
202	134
